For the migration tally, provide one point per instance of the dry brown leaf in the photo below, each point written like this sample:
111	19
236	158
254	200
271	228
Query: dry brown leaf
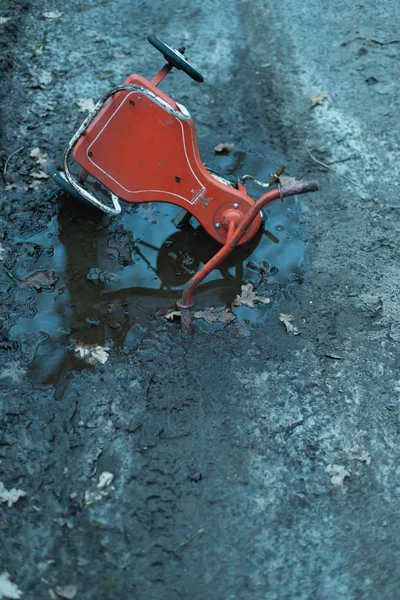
97	492
34	184
13	370
97	275
337	473
92	353
85	104
223	316
38	155
361	454
105	479
66	591
45	564
288	180
317	99
52	15
38	175
287	320
40	280
42	77
171	315
8	589
10	496
223	148
248	297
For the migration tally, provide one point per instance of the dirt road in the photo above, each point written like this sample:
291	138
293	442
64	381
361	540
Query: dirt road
246	462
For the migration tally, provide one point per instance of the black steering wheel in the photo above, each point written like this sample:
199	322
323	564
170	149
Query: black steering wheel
176	58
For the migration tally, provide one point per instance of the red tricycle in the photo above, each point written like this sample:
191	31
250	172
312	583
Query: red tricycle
141	146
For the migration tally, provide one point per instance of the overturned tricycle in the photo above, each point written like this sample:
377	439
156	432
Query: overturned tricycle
141	146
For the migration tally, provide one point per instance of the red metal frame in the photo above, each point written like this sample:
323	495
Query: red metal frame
142	146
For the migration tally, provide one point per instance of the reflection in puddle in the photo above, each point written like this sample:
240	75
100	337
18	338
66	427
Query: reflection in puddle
116	277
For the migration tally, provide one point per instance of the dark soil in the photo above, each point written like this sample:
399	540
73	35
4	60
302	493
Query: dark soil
246	462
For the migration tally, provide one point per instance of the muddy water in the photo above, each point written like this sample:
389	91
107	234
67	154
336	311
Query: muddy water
117	277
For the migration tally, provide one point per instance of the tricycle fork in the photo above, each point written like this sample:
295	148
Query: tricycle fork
235	233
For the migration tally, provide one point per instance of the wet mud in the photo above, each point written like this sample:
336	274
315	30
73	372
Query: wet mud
242	461
108	281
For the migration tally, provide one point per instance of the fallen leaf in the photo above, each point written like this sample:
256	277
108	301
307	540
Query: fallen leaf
39	175
105	479
123	245
13	371
171	315
317	99
222	316
92	353
361	454
8	589
40	280
223	148
42	77
364	457
96	275
10	496
337	473
66	591
52	15
288	180
38	155
94	494
83	562
287	320
4	20
248	297
34	184
42	566
85	104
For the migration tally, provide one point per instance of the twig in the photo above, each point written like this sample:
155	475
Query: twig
189	539
334	170
342	160
8	159
274	178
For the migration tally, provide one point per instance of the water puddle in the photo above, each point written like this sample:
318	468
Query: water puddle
117	277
